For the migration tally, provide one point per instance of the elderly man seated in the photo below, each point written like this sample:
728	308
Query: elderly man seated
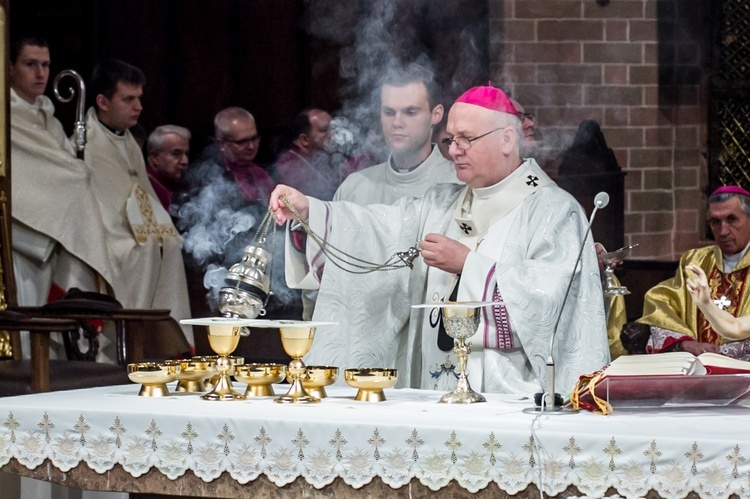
671	320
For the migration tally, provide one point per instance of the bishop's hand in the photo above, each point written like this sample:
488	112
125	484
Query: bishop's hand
697	284
444	253
293	198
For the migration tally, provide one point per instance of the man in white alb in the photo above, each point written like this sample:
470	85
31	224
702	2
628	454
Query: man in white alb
143	243
509	234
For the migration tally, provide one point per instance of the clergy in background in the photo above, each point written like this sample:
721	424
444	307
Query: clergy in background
58	236
510	234
142	241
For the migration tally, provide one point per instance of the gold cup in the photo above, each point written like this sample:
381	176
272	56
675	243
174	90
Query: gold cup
371	382
233	360
193	373
153	377
260	378
316	378
223	339
296	338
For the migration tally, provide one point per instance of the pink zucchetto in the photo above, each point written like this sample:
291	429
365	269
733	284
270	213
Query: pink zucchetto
488	97
731	189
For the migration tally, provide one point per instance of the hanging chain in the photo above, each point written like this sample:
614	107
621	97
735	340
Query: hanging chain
343	260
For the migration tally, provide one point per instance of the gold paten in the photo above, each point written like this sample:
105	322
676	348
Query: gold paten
260	378
153	377
316	378
371	382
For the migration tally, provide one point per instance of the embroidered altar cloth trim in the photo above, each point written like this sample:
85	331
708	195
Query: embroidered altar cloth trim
409	435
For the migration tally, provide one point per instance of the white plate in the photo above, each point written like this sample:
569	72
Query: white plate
293	324
457	304
222	321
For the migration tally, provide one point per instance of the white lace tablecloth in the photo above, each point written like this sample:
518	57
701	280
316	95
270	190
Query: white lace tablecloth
409	435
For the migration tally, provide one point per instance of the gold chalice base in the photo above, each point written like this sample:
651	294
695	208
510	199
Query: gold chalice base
371	382
233	362
260	378
316	378
193	373
153	377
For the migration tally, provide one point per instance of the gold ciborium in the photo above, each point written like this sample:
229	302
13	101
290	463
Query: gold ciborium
297	338
316	378
371	383
193	373
153	377
260	378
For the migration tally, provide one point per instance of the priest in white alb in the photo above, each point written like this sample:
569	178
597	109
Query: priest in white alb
142	241
58	236
510	234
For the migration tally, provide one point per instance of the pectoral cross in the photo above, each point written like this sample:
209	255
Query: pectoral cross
722	302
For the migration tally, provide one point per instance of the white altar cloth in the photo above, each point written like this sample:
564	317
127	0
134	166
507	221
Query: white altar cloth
409	435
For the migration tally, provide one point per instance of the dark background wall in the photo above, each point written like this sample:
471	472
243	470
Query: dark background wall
273	57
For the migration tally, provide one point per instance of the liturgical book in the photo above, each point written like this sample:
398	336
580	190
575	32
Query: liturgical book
668	379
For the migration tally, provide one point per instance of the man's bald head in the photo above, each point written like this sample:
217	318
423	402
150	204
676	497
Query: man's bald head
236	134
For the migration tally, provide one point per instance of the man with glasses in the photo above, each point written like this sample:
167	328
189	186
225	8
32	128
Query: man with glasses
528	127
510	234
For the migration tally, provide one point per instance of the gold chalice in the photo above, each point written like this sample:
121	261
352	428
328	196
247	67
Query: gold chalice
461	320
316	378
260	378
193	373
153	377
297	338
223	339
371	382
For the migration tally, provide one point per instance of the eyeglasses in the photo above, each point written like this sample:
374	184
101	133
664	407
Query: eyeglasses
464	143
243	142
526	116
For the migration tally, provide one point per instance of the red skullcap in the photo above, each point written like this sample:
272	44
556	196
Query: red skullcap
731	189
488	97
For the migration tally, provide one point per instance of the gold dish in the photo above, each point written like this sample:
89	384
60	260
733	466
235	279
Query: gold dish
259	378
153	377
193	373
317	378
371	382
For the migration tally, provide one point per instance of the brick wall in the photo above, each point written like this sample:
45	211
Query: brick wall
638	68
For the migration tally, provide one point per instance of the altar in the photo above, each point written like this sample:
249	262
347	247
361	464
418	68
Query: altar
109	438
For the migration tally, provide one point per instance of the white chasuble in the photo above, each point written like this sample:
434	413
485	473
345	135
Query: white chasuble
142	241
52	202
525	256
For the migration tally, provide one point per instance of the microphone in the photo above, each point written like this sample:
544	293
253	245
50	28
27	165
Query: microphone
549	396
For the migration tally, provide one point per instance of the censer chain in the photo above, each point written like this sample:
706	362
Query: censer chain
338	257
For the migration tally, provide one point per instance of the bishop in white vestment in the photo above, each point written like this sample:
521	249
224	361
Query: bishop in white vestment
510	234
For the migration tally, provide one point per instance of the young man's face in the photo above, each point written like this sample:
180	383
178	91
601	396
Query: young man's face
29	74
123	109
406	117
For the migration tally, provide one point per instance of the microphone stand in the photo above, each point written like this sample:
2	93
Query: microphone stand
547	402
